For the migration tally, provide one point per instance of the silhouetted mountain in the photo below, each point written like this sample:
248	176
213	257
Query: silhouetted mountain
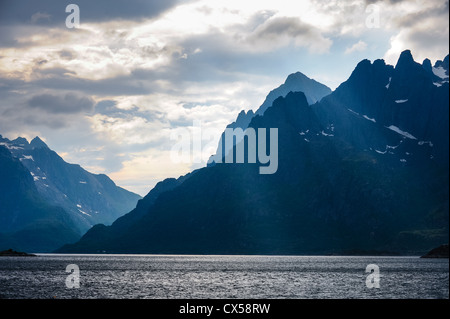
438	252
364	169
83	199
296	82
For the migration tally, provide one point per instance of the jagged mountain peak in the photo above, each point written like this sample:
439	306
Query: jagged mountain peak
292	99
20	141
244	114
296	82
296	77
441	70
444	63
365	65
406	58
86	199
427	65
367	74
38	143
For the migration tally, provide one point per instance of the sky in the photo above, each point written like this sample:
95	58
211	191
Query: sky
114	92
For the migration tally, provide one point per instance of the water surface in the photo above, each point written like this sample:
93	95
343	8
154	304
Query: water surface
222	277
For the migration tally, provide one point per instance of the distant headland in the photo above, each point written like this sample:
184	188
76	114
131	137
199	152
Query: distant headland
439	252
13	253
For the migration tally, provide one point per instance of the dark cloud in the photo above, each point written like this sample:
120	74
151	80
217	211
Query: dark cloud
109	108
67	54
52	12
10	34
54	122
8	85
290	26
417	19
115	86
69	103
275	31
53	72
424	31
33	111
139	82
41	62
216	57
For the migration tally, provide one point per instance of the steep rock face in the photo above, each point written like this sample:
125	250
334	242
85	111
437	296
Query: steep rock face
46	202
401	99
296	82
27	221
90	199
355	172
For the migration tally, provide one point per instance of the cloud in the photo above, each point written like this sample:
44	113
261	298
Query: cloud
145	169
40	16
117	86
360	46
423	28
24	108
281	31
52	12
419	25
67	54
128	130
69	103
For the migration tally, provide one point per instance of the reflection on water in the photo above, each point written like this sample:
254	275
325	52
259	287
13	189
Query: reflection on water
221	277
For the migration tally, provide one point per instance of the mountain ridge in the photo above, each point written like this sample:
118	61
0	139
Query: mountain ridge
83	199
355	173
27	221
295	82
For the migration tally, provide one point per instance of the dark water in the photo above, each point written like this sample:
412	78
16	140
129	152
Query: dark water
213	277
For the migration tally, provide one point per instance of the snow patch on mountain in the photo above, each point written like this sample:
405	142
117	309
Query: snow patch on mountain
399	131
425	142
370	119
325	134
440	72
389	84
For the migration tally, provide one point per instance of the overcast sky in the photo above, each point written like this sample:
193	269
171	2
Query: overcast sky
109	94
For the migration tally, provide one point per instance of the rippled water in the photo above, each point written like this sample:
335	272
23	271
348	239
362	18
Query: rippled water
214	277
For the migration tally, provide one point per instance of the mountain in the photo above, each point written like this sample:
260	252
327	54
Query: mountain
440	69
296	82
82	199
364	169
403	99
27	221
